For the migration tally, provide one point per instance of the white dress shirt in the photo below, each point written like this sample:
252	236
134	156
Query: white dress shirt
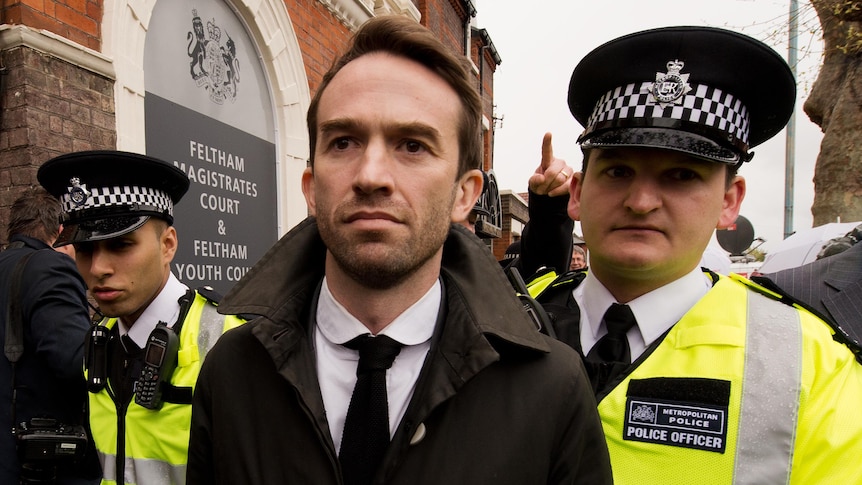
164	308
655	311
336	364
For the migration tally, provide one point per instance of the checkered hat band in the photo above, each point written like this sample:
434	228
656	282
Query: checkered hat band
134	198
703	105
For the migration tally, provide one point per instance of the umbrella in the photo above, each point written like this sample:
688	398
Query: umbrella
803	245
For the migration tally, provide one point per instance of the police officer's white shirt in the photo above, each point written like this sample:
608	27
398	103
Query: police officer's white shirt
164	308
655	312
336	364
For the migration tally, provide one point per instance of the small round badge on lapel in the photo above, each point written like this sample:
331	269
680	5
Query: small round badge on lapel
419	435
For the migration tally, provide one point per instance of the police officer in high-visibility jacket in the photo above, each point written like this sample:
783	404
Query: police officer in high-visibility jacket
699	378
145	352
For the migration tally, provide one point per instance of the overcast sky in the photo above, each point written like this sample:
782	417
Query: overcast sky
541	41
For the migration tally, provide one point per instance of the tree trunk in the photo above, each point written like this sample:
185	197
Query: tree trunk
835	104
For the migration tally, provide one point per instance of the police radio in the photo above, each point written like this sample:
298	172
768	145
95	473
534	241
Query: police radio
160	360
97	357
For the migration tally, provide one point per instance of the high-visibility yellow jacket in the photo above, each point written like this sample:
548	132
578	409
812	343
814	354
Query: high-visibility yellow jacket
744	389
151	446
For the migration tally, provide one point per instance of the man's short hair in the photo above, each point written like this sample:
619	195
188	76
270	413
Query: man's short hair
400	36
36	214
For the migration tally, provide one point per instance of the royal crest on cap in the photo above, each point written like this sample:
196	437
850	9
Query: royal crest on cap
669	87
78	193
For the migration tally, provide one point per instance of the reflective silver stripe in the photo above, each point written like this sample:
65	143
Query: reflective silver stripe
210	328
771	385
109	467
153	471
143	472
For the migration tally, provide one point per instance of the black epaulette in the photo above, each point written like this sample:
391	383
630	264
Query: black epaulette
570	277
566	281
210	294
185	301
544	270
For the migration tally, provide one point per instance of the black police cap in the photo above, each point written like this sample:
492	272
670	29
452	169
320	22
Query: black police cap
108	193
708	92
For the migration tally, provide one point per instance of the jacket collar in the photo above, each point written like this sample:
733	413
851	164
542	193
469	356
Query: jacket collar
281	285
30	242
842	303
477	326
842	270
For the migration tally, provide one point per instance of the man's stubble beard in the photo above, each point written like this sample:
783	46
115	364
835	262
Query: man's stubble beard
387	267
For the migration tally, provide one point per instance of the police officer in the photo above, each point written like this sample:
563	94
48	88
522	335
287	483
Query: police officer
699	378
143	357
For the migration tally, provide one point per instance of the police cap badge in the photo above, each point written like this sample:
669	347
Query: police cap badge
708	92
107	193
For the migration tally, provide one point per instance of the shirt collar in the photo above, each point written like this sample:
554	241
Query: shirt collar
164	308
414	326
597	299
655	311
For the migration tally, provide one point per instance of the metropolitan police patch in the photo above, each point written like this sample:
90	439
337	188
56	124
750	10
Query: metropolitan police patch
688	425
685	412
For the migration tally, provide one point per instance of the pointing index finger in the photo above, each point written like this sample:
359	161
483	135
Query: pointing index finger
547	151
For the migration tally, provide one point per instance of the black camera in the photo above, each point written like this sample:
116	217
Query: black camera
46	445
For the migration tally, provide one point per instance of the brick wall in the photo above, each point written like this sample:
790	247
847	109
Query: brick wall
485	84
445	18
513	208
49	107
487	66
320	35
76	20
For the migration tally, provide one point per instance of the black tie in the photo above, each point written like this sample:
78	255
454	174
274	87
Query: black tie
129	345
611	354
366	428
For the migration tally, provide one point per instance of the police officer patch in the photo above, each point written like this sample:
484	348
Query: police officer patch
689	413
676	424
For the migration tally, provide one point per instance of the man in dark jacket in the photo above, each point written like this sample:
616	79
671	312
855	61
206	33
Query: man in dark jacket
475	394
832	286
48	377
